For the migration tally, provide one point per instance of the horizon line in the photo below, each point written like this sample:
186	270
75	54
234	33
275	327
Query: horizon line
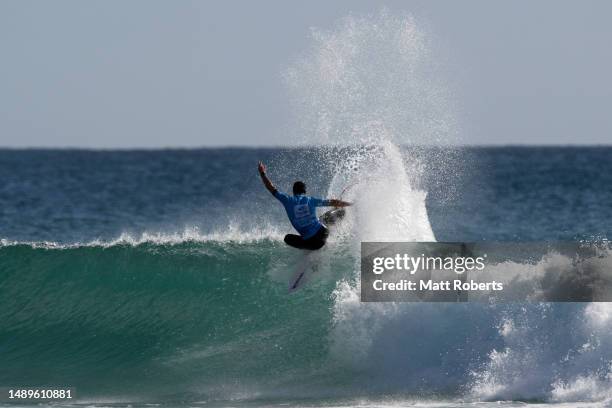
294	147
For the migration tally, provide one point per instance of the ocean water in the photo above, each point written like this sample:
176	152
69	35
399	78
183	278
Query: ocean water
160	277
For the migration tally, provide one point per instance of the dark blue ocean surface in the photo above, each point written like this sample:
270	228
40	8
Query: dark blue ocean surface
506	193
529	193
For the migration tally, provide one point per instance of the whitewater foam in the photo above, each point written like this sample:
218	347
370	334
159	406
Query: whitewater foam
233	233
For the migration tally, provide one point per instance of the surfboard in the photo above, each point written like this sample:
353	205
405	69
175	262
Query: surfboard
302	273
306	266
298	279
332	217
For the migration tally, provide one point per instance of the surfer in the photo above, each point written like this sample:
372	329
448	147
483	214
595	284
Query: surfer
301	210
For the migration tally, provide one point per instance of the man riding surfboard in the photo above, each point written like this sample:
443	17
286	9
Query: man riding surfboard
301	210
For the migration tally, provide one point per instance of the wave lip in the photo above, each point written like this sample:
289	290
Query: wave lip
232	234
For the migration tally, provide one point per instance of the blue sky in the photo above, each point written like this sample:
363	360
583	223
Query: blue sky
189	74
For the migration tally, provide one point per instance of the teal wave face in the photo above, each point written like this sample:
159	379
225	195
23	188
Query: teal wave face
160	317
206	321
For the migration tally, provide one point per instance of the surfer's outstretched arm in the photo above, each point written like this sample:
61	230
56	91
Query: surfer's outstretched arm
339	203
262	172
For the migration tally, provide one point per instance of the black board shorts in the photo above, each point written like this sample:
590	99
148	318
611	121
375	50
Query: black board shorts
315	242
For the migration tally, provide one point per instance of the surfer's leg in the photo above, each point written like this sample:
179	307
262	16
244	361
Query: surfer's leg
318	240
295	241
315	242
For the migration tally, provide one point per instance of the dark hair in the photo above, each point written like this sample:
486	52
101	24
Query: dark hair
299	188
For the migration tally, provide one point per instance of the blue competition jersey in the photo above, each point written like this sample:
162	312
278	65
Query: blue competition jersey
301	210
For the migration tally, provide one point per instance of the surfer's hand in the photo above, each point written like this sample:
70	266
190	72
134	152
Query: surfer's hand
262	172
262	168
